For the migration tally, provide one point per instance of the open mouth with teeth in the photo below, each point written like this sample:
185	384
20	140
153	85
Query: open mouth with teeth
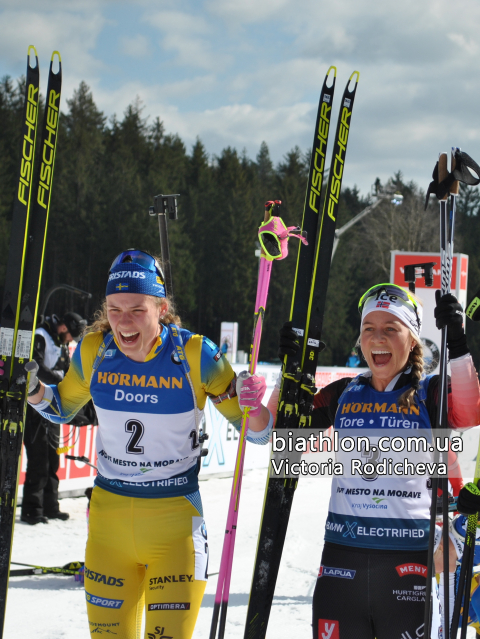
129	338
381	358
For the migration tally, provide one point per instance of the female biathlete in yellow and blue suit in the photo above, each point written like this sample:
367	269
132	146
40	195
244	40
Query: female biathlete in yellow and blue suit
149	380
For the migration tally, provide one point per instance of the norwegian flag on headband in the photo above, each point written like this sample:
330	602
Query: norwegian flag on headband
383	304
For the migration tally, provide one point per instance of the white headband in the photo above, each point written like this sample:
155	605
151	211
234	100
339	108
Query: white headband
405	311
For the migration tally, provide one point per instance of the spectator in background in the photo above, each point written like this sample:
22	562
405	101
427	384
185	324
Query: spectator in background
353	361
50	351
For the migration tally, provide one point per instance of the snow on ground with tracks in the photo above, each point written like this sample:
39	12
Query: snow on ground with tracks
53	607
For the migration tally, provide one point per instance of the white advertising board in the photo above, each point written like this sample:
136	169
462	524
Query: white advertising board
430	334
229	340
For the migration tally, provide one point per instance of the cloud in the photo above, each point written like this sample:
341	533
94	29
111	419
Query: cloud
246	11
276	83
158	100
188	36
73	34
409	32
237	125
137	47
236	73
469	46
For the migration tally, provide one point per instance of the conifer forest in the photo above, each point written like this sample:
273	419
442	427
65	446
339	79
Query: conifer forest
107	172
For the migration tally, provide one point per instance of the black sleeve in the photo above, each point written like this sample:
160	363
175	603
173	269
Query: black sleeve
325	403
432	398
45	374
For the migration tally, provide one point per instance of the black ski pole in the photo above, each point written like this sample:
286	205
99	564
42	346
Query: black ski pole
443	185
163	204
446	256
81	458
449	223
467	550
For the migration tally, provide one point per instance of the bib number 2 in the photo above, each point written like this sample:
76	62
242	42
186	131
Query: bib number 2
136	428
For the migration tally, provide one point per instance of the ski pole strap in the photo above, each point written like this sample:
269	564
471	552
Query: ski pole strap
102	349
462	173
230	393
179	350
273	236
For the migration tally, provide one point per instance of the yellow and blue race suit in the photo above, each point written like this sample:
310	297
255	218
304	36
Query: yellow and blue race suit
147	543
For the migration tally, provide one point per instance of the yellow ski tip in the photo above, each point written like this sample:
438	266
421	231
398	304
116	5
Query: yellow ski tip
357	73
334	71
29	54
54	54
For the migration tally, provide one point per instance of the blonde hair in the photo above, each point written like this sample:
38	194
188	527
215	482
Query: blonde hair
415	361
101	323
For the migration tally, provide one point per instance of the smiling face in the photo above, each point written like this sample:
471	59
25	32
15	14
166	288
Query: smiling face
134	319
386	343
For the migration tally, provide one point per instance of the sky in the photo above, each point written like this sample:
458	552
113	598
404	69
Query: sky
239	72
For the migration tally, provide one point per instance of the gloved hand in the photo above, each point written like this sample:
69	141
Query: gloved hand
448	312
288	344
250	391
33	383
468	502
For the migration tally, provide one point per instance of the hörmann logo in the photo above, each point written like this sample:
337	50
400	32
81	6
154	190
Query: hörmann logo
28	145
319	161
336	181
48	151
122	379
378	408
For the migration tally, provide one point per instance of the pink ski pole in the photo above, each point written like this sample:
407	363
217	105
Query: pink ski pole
280	251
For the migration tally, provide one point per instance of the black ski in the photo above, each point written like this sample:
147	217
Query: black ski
20	301
72	568
298	384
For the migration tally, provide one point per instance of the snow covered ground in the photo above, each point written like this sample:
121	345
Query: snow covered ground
51	607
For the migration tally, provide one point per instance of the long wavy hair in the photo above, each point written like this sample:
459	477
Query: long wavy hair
415	361
101	323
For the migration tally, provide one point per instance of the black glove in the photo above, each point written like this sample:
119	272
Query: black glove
288	344
468	502
448	312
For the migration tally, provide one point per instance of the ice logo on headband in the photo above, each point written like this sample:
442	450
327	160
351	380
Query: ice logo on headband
387	300
383	297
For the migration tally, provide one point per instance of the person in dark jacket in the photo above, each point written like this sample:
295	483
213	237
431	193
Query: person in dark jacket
40	490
